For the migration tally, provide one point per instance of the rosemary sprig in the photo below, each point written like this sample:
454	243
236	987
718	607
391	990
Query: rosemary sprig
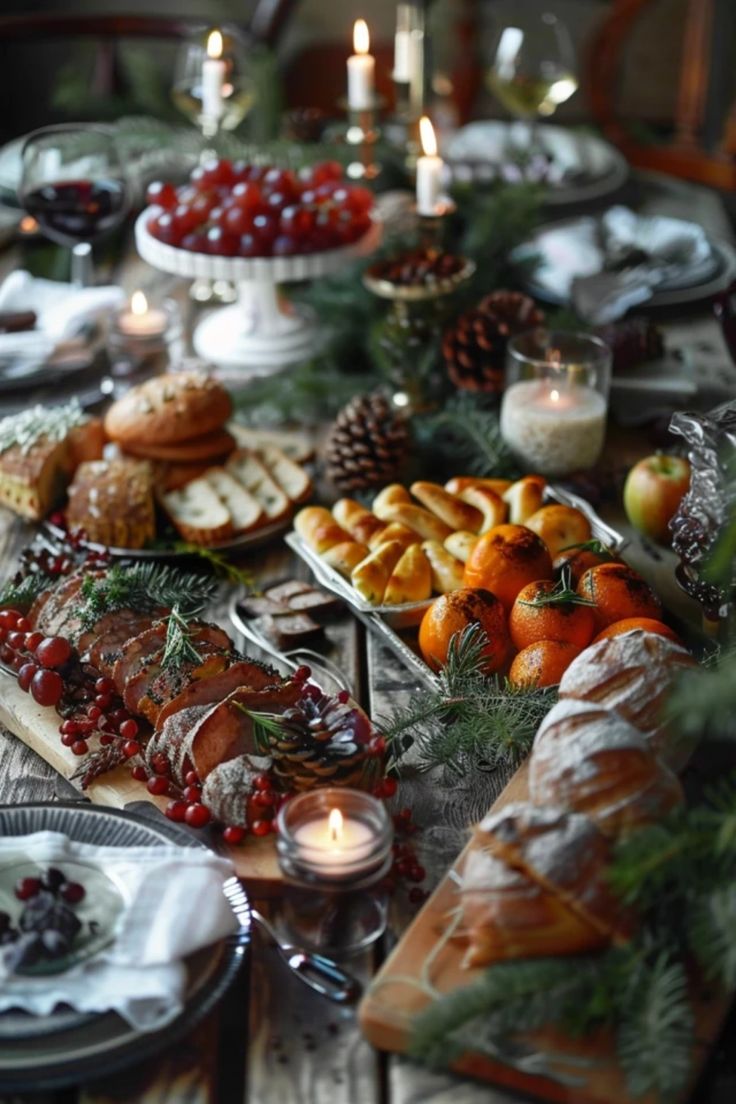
144	586
179	647
561	595
593	545
219	563
265	725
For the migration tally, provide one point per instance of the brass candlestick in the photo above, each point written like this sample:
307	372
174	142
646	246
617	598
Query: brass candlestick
362	134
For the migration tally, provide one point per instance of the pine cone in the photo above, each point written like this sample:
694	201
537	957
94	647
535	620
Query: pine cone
633	341
475	347
367	445
324	742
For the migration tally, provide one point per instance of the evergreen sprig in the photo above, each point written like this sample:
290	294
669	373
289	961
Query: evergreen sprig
179	648
469	434
219	563
704	702
265	726
23	592
143	586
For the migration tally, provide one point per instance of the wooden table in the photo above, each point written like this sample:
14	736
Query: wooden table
273	1041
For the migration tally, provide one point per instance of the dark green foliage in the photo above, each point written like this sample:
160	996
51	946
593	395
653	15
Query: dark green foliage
144	586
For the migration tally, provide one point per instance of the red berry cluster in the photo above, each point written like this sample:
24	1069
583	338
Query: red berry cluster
406	866
53	881
232	209
34	656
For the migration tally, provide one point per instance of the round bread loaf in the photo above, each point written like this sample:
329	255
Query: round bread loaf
210	446
632	674
168	409
590	760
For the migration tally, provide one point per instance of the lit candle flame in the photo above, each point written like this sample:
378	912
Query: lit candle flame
554	396
214	45
138	303
335	825
427	135
361	37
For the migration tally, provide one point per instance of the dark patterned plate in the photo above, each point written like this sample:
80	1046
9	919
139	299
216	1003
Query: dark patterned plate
67	1047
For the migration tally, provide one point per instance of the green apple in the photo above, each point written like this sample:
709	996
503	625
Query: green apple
653	490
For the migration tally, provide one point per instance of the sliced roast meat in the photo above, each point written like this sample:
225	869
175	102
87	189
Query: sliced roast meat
102	646
152	639
61	604
39	603
247	673
166	683
226	731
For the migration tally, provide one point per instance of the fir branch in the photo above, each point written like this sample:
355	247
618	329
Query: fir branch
711	928
143	586
704	702
219	562
23	592
179	648
471	434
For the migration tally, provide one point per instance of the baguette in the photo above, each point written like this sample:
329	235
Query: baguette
395	492
461	544
490	504
245	510
394	532
291	477
450	509
524	498
370	577
359	522
345	556
447	572
245	466
411	579
198	514
458	483
318	528
420	520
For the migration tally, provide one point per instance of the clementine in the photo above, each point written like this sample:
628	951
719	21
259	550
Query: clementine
579	557
451	613
544	610
542	663
618	592
505	559
646	624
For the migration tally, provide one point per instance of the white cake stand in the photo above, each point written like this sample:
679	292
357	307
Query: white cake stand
262	331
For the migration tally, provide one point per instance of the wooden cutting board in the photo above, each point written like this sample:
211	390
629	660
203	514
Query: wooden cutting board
393	1000
38	727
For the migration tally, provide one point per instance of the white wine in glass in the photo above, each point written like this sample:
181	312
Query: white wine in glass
532	67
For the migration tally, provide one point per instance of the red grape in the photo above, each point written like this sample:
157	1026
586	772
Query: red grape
128	729
197	815
23	625
47	687
33	639
25	674
164	195
16	640
53	651
234	834
176	810
247	196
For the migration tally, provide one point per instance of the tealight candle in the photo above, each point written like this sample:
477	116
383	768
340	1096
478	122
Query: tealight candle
214	70
141	320
553	413
429	171
361	70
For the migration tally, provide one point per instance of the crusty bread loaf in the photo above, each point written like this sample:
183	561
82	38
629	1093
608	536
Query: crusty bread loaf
449	508
167	409
198	513
632	674
247	468
208	446
112	501
559	526
318	528
35	473
411	579
590	760
447	572
244	509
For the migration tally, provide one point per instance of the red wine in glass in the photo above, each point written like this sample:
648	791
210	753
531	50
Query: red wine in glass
73	211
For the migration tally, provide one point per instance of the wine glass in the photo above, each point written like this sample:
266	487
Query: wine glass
212	86
73	184
532	70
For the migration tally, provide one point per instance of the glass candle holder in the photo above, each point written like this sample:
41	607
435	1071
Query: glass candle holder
554	408
334	846
144	338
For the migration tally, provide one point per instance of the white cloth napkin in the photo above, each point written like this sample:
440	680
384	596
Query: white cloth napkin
173	905
61	311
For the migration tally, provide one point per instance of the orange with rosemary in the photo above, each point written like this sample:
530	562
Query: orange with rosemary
542	663
646	624
451	613
618	592
545	610
505	559
579	557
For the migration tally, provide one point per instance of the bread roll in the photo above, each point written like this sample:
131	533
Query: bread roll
559	526
359	522
370	577
458	483
632	674
394	532
411	579
394	492
447	572
318	528
450	509
507	915
426	525
461	544
345	556
590	760
524	498
491	505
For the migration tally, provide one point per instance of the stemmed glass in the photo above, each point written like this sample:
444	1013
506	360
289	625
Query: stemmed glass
212	86
532	68
73	184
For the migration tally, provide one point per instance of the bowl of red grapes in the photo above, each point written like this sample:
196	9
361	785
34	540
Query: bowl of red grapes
234	209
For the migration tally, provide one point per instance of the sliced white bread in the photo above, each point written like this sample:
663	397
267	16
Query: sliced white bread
295	445
245	510
198	513
246	467
291	478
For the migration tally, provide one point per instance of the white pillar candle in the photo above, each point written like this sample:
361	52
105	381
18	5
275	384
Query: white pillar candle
553	428
361	70
141	320
429	171
213	78
402	56
333	844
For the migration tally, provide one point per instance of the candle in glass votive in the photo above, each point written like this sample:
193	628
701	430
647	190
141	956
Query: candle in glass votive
141	320
429	171
335	842
553	429
361	70
214	71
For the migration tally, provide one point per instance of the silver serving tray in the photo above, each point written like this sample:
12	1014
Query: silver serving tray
253	539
